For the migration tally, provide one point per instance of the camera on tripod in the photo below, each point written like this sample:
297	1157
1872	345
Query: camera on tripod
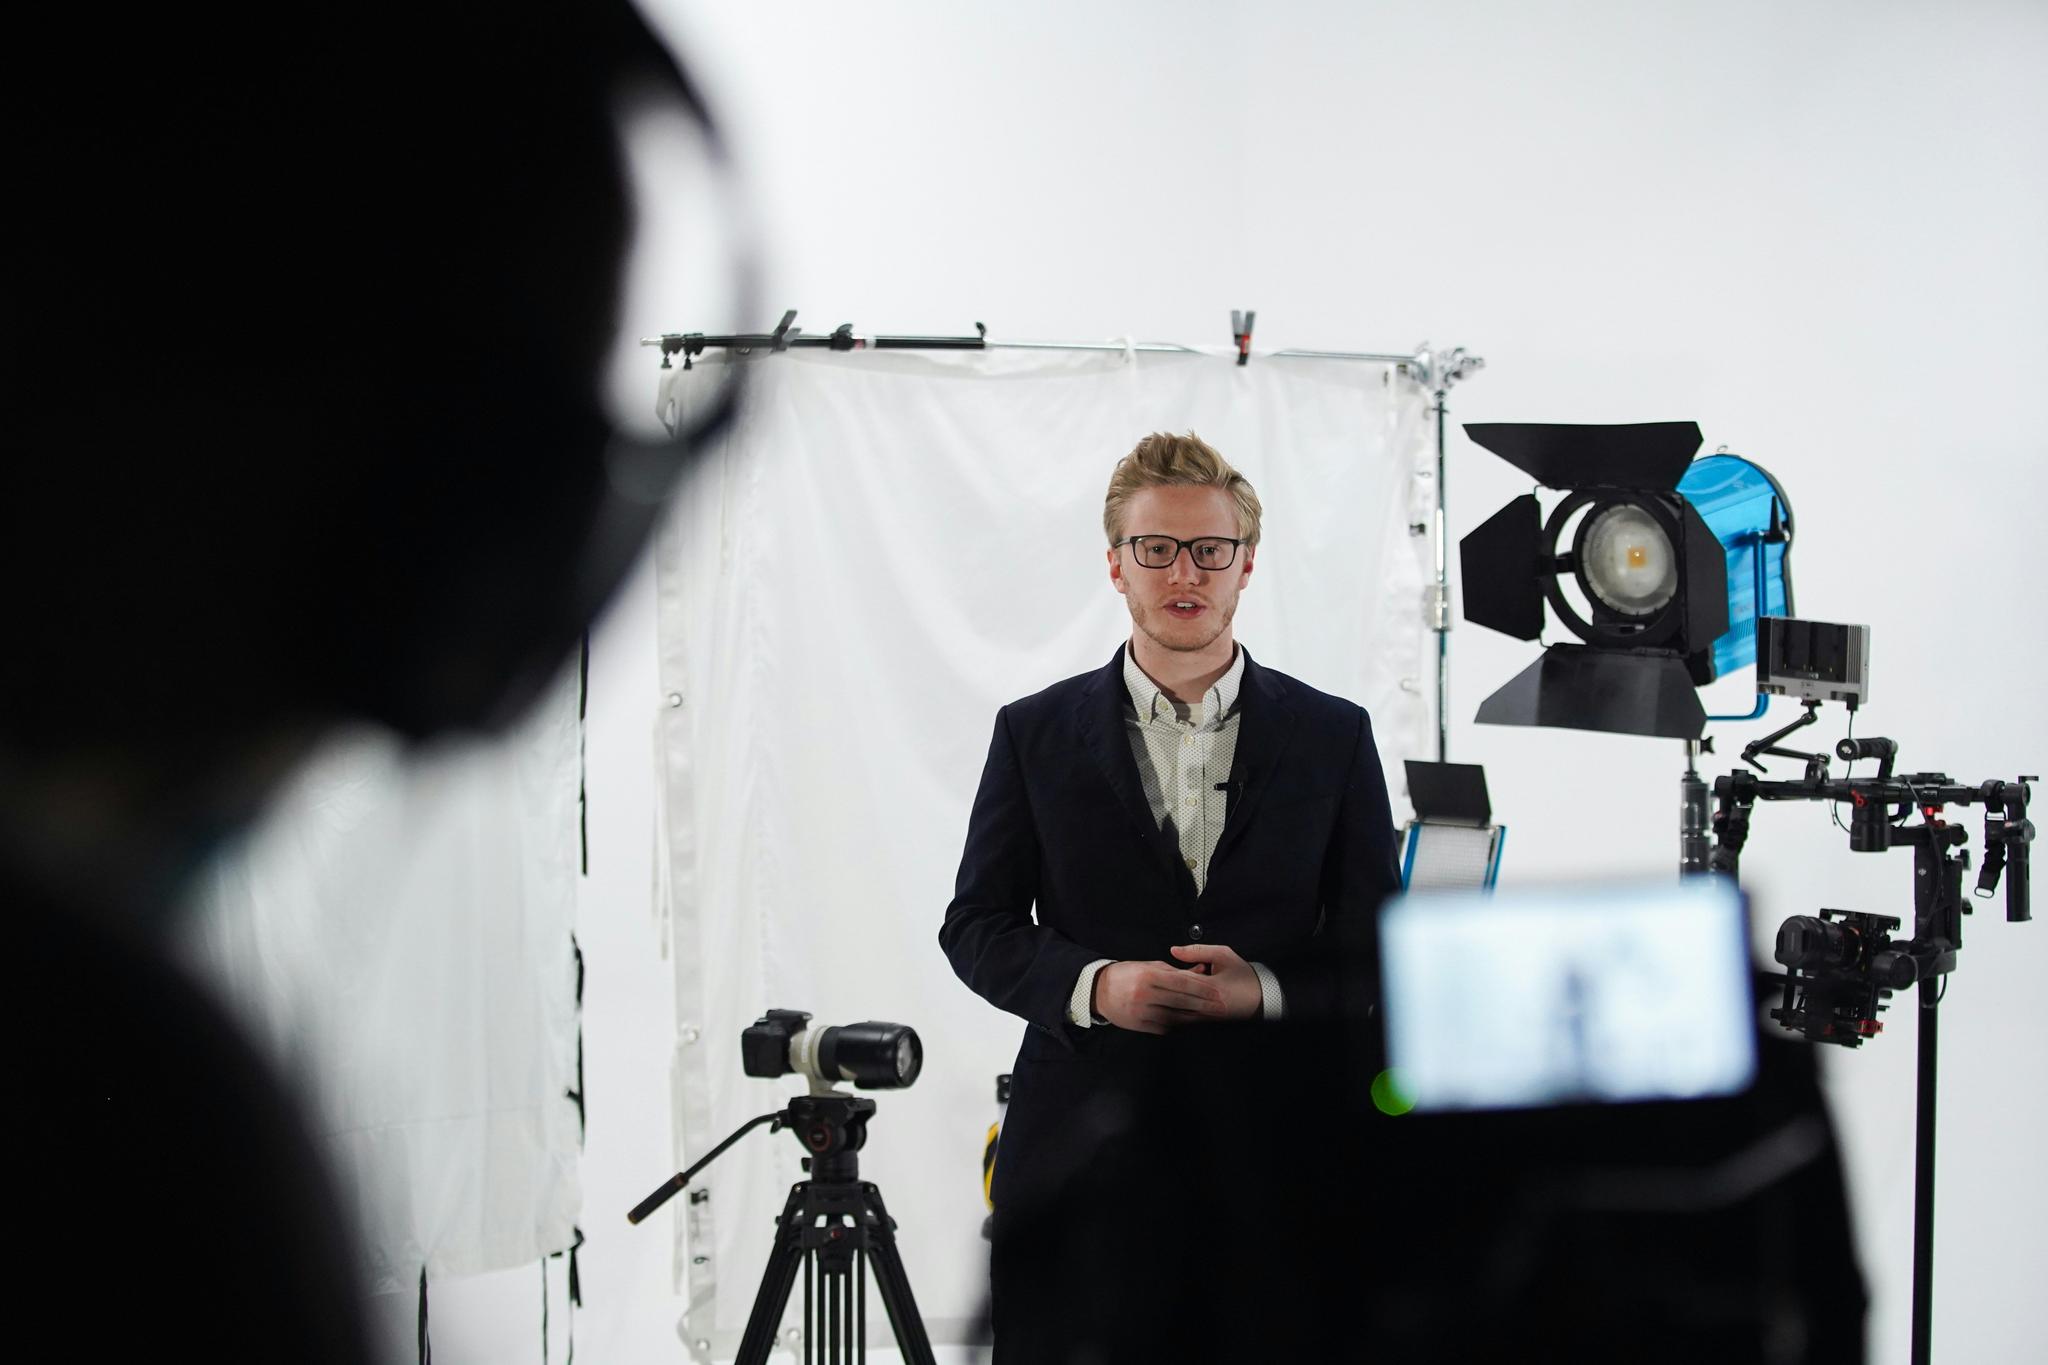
870	1055
834	1226
1840	970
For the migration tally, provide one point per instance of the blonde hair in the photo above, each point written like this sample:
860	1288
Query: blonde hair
1164	460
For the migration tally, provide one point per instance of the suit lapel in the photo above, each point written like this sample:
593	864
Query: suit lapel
1101	722
1265	724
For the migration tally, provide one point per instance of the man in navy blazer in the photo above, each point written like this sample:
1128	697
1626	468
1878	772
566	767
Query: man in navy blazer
1160	850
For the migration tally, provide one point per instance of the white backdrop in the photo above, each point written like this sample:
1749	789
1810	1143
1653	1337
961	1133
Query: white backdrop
398	933
890	547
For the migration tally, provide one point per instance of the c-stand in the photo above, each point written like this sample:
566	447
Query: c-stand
1839	1002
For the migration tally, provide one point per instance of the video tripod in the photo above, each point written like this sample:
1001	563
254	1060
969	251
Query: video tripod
831	1226
1840	1003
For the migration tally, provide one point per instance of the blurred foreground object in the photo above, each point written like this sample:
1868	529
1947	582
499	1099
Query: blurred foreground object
1571	994
267	479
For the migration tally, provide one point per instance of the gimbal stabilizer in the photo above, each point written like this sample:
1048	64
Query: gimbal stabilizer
1878	810
1841	967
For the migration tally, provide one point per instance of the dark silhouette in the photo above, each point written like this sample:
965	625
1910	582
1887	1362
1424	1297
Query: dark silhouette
306	316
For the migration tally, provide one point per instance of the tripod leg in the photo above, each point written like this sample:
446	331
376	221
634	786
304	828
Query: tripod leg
840	1329
894	1284
901	1305
841	1316
784	1259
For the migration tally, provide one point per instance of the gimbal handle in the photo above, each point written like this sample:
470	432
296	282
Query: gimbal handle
1884	750
2008	833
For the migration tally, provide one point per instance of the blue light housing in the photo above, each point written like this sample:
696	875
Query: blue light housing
1747	512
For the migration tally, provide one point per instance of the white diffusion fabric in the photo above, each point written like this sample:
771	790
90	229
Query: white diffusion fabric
887	548
399	931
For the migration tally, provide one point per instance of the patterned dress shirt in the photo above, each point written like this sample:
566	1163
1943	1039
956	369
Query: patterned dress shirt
1184	755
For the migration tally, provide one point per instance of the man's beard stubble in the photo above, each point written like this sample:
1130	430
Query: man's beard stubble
1142	617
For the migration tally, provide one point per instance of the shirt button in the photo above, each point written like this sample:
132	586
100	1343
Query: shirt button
1187	739
1194	933
1191	864
1193	801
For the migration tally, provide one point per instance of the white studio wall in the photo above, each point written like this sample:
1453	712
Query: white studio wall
1814	229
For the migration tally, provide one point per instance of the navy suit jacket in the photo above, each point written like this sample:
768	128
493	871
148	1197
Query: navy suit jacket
1061	826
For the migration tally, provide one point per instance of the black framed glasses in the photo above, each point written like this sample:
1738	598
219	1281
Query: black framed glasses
1207	553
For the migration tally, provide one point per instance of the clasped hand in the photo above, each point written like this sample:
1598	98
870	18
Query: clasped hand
1152	997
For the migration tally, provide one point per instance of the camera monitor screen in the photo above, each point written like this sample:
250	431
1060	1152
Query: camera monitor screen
1568	994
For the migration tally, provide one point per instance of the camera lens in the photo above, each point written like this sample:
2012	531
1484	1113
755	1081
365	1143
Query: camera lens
873	1055
1808	941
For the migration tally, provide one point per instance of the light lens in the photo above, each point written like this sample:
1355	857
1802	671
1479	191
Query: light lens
1627	561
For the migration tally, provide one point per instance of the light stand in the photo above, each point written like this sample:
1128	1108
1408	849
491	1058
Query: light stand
1695	830
1938	910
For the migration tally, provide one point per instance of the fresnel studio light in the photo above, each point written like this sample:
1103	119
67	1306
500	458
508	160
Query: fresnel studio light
1659	563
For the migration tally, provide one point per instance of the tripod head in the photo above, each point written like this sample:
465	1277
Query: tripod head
832	1125
832	1128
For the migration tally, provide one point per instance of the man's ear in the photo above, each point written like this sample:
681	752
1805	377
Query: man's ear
1250	553
1116	569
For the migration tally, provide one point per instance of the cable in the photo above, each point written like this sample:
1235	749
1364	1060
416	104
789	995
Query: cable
1835	814
1913	804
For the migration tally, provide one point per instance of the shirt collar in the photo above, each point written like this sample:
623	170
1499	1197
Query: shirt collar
1218	702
